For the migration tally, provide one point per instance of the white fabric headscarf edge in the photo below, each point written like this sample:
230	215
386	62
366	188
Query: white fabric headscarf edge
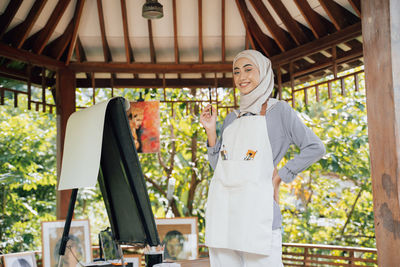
253	101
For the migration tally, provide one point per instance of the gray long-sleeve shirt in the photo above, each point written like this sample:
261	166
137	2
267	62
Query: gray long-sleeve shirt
284	129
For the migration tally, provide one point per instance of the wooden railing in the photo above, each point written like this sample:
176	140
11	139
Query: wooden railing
293	255
321	255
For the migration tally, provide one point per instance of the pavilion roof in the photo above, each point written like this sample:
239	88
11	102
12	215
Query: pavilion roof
109	43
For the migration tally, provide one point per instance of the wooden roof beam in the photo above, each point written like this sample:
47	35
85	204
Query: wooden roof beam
39	40
323	43
155	83
291	24
223	56
116	67
81	55
17	35
200	15
106	48
29	57
339	16
76	19
281	36
23	76
57	47
128	47
318	24
267	44
8	15
176	48
151	41
356	5
241	7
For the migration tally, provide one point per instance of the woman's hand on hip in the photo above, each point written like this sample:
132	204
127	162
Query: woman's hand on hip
276	181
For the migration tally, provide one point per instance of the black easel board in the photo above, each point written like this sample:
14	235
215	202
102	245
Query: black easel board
122	183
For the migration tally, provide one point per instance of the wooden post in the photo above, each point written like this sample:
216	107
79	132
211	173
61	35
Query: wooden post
65	102
380	27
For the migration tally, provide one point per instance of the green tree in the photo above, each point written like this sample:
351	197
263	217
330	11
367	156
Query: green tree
27	176
331	202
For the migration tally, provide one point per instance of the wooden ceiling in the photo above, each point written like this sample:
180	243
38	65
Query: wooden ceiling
109	44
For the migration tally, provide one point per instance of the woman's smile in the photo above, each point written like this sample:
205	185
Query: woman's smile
246	75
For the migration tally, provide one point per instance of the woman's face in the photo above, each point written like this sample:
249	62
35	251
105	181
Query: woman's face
174	247
246	75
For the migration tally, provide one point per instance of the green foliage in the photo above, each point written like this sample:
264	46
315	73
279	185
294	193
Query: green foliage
27	176
329	203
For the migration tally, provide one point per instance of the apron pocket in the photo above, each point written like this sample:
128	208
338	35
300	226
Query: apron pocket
238	173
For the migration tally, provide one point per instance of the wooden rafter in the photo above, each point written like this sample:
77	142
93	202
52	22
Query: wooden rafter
347	56
291	24
267	44
116	67
356	5
39	40
323	43
281	37
241	5
80	54
106	48
17	35
155	83
8	15
223	31
76	19
79	51
151	41
339	16
176	47
128	47
57	47
200	15
16	74
318	24
264	41
29	57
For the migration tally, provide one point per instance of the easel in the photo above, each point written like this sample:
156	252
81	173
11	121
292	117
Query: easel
122	185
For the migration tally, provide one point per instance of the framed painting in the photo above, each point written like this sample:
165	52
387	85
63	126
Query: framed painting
133	260
180	237
109	249
23	259
78	250
144	120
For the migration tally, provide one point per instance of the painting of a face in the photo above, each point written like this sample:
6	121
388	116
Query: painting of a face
144	120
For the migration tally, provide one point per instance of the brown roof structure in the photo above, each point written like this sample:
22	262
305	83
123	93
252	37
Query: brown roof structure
192	45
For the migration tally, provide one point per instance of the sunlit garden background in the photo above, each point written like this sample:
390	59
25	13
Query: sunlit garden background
329	203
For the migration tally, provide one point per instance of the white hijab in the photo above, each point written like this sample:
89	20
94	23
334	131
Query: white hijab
253	101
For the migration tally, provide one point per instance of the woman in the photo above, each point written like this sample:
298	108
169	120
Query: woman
243	218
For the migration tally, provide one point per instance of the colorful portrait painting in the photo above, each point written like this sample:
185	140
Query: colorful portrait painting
144	120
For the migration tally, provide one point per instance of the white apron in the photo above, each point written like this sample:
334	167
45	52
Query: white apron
240	200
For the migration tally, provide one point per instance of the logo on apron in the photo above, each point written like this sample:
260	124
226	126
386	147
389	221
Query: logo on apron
250	154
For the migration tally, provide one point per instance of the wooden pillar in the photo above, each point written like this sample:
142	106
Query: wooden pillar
381	31
65	102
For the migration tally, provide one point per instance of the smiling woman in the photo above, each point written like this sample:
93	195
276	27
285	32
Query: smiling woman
253	141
